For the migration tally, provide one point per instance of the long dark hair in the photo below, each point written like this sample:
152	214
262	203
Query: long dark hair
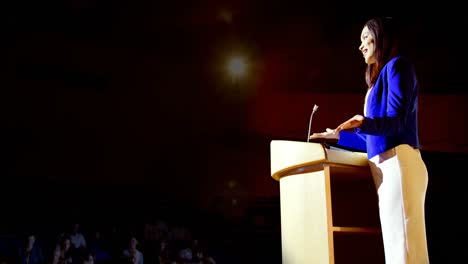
384	30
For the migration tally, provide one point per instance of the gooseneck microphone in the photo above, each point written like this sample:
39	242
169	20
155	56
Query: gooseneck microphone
310	120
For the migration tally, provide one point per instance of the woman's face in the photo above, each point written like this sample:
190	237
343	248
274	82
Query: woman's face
367	46
66	244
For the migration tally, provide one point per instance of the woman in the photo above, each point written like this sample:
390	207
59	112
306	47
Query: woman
63	251
388	132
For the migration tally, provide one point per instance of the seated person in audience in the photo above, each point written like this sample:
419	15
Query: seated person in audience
63	251
30	251
132	253
77	238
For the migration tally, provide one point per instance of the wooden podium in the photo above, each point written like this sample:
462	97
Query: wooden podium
329	207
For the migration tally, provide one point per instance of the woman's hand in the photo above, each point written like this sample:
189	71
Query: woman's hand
328	134
354	122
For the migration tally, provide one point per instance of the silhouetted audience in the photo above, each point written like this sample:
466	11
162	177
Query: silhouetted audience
30	251
63	251
77	238
132	254
165	246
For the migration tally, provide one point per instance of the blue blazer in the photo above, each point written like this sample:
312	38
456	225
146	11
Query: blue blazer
391	111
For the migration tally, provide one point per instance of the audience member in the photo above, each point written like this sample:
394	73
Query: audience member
30	252
132	253
63	252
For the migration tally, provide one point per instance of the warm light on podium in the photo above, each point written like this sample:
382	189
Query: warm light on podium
329	207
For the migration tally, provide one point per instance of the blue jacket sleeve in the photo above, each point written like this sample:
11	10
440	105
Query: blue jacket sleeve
400	83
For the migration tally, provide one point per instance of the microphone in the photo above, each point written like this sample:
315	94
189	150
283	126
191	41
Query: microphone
310	120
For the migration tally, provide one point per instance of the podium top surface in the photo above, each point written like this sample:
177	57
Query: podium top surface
293	157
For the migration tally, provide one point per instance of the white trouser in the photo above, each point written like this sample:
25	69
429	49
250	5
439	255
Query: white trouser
401	178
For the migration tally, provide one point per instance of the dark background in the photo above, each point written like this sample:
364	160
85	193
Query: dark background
124	107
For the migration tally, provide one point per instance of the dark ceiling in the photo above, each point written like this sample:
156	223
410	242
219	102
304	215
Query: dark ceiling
298	46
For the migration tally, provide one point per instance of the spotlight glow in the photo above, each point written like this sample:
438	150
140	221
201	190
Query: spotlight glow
237	67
